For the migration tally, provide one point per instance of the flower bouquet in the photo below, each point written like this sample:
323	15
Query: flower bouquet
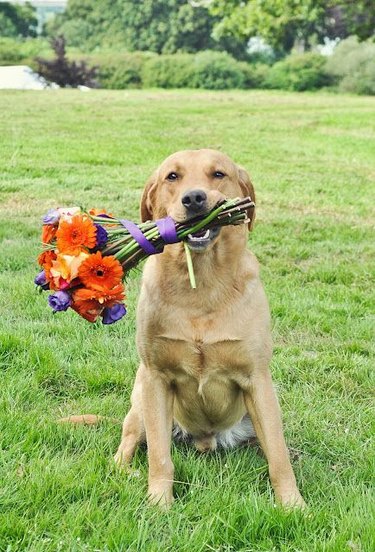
86	255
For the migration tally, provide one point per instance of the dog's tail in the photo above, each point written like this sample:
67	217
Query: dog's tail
87	419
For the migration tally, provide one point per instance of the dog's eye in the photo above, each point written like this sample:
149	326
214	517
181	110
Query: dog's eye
172	177
219	174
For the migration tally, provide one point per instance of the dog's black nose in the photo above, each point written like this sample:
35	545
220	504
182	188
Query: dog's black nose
194	200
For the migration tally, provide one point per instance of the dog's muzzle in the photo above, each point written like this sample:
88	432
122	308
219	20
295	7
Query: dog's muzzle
199	241
195	203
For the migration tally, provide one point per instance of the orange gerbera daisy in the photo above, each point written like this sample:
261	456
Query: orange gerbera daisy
76	234
48	233
104	297
98	272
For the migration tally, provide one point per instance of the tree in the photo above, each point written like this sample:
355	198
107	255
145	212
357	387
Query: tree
354	18
189	30
17	20
161	26
282	23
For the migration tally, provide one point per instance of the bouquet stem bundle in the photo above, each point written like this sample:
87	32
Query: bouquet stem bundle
127	250
86	256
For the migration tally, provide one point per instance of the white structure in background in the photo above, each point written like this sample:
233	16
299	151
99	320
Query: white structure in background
257	45
329	45
22	77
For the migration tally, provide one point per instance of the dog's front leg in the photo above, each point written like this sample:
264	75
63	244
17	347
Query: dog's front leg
264	411
157	405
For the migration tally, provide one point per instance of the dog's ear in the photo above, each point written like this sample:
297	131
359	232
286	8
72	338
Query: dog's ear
247	190
147	203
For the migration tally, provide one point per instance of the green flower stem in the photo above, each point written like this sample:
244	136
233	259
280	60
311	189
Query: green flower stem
190	266
133	245
202	223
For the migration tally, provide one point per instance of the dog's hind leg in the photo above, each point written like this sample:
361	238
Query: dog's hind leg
133	430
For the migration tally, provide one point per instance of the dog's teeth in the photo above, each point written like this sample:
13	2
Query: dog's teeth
199	238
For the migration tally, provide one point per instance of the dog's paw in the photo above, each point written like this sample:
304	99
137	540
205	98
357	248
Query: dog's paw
291	500
161	497
206	444
119	459
121	462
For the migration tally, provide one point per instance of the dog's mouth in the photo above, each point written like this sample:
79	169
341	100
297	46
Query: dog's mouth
199	241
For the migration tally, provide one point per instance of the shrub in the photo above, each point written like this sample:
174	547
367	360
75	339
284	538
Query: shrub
254	74
362	81
122	70
64	72
216	71
299	72
18	20
353	65
10	54
21	51
208	69
168	71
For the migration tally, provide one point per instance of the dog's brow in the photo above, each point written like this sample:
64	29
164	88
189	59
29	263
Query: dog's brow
217	167
177	168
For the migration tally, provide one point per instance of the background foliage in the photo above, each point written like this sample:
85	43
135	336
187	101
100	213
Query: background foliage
350	69
168	26
353	65
161	26
283	23
216	44
17	20
299	72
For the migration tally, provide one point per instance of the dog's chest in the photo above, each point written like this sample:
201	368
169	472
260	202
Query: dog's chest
198	348
205	376
198	340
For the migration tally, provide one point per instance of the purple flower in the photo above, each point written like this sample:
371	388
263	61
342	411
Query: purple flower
59	301
101	235
112	314
51	217
41	280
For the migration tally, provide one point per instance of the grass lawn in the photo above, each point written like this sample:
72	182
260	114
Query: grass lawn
311	157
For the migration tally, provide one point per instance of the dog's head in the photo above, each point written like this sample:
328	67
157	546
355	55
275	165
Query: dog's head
190	183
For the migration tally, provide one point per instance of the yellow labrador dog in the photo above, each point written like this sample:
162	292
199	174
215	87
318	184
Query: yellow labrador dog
205	352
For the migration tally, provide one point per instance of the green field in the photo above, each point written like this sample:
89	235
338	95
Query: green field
311	157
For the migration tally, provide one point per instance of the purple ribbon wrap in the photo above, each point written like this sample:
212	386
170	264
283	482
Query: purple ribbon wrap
167	230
